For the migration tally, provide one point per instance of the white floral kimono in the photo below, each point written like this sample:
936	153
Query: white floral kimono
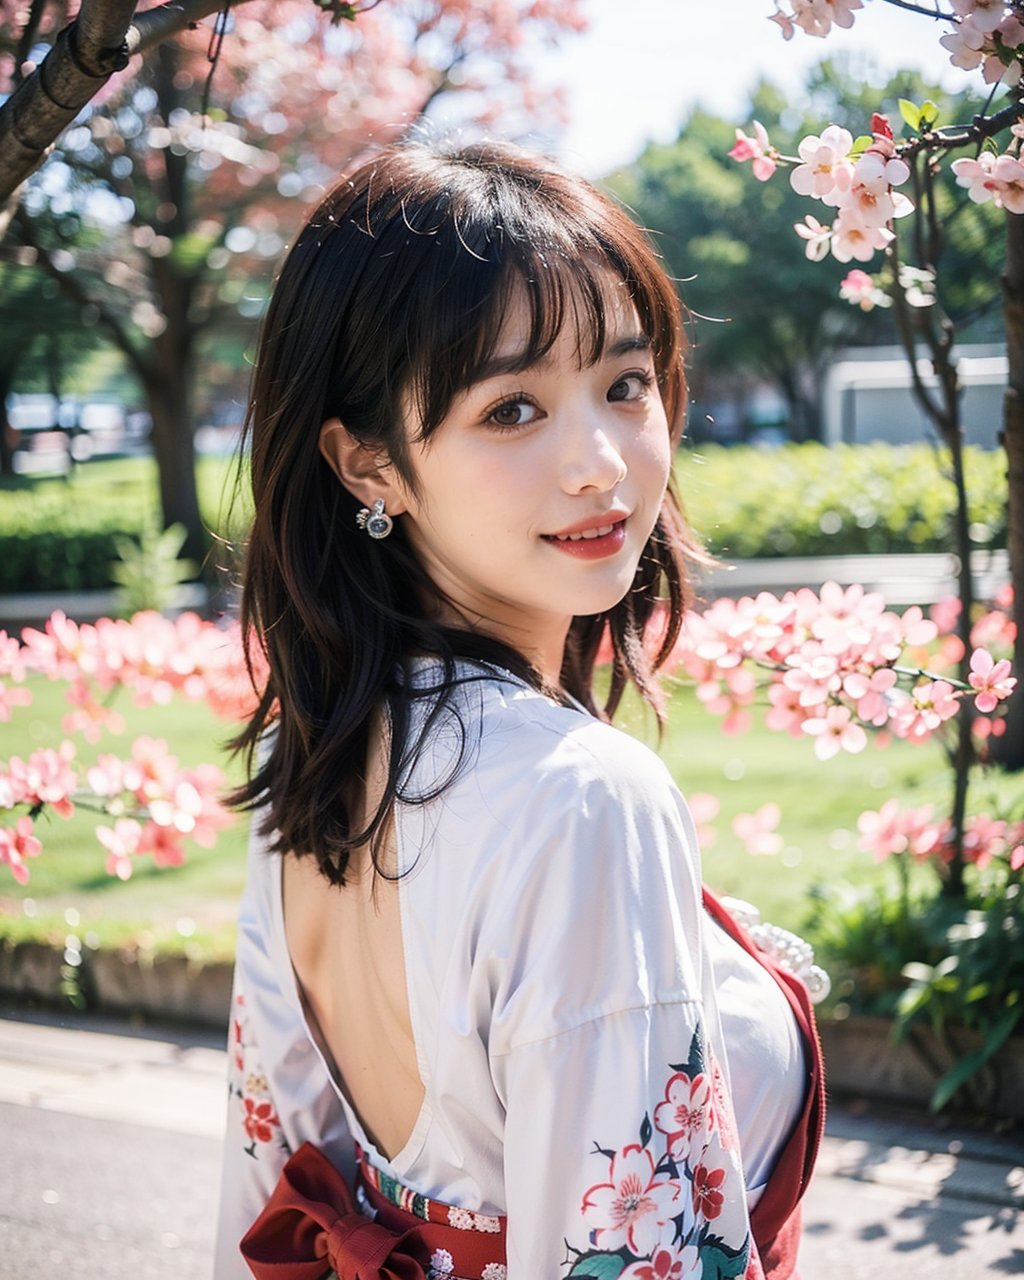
567	996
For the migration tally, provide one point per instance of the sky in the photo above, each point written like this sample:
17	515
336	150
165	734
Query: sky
643	63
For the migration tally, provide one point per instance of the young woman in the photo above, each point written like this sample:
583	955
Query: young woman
485	1025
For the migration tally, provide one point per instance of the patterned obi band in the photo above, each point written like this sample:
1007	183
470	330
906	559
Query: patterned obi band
313	1227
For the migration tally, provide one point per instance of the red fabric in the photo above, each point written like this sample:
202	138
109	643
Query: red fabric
311	1224
775	1219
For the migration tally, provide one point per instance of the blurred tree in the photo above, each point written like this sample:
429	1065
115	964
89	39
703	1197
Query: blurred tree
194	205
729	238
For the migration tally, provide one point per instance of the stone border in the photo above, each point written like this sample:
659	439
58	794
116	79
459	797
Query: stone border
861	1057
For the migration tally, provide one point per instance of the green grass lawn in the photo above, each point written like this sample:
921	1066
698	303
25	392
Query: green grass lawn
192	908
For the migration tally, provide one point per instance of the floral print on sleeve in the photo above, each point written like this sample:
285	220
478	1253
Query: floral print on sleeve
248	1086
670	1206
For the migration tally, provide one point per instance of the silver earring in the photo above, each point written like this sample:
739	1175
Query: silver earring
377	523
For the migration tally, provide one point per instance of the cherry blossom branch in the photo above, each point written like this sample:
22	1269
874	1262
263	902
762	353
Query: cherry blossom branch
910	7
980	129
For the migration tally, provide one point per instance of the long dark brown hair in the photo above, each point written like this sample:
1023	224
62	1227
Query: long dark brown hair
395	293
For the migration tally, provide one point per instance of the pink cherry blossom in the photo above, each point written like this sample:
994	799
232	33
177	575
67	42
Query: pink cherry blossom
163	843
893	831
757	830
756	148
917	716
11	696
121	842
816	17
984	839
633	1206
17	843
784	22
852	238
817	235
991	680
860	290
826	171
834	732
985	15
787	712
871	694
994	629
704	810
12	661
45	778
965	43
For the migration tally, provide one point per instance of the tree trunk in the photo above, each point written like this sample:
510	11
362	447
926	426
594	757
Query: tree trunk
1008	750
169	404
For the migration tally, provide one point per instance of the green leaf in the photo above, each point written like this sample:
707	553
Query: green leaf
597	1266
929	113
720	1262
959	1075
861	144
911	114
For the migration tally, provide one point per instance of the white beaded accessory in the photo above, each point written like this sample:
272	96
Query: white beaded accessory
377	523
788	950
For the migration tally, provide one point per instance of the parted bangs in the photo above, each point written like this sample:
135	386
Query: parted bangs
458	245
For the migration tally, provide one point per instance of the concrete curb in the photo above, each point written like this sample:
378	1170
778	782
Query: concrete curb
862	1058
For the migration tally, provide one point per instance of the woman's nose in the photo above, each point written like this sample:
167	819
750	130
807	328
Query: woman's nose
593	458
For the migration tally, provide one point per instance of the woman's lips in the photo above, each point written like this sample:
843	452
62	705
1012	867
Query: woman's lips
595	544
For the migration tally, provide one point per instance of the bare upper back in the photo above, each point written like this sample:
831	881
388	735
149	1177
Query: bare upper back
346	949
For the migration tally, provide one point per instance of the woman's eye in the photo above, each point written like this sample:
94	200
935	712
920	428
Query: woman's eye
631	386
514	413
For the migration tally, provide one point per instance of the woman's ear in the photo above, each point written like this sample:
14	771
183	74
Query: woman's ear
364	471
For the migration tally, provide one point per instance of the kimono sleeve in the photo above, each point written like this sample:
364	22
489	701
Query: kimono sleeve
620	1148
620	1154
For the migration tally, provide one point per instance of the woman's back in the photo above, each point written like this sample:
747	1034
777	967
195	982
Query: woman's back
556	982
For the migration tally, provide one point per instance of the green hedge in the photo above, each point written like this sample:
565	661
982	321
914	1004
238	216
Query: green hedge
60	534
839	500
798	500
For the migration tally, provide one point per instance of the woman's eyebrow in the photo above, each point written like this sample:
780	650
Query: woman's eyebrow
517	361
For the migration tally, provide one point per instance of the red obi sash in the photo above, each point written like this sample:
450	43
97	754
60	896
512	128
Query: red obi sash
313	1225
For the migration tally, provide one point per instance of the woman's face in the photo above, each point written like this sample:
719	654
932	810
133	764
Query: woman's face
537	493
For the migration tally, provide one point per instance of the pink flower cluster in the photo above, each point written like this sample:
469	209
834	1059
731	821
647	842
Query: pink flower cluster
831	661
917	834
175	803
996	178
986	34
155	804
816	17
858	183
154	656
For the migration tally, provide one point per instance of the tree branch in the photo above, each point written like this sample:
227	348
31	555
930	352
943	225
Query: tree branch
156	25
83	58
935	12
978	130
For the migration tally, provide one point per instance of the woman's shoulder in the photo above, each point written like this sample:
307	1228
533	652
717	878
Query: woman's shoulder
524	772
563	747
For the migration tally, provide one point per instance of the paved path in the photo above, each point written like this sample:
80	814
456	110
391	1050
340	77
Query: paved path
111	1147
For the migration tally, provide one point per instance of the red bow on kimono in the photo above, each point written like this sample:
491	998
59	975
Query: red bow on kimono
311	1224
